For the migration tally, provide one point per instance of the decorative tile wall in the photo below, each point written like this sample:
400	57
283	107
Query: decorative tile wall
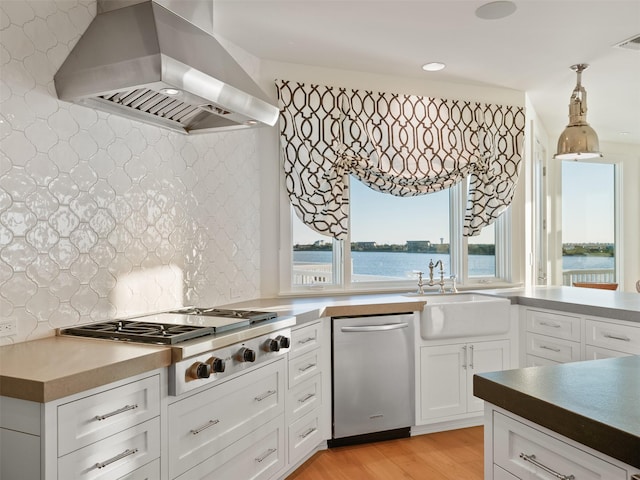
103	217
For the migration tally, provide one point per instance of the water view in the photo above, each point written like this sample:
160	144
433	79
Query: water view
402	265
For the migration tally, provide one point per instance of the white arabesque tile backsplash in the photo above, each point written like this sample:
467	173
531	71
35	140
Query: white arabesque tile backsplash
101	216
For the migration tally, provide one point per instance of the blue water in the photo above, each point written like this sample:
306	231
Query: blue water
403	264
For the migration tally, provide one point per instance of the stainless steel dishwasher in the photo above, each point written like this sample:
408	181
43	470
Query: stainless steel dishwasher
373	378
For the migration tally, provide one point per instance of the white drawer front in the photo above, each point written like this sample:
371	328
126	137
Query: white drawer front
622	338
113	457
526	453
303	367
150	471
501	474
305	339
93	418
255	457
553	324
597	353
205	423
304	398
552	348
304	436
533	361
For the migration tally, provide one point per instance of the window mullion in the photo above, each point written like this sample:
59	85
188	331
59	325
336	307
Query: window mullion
458	243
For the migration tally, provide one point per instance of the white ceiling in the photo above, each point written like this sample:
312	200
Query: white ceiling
530	50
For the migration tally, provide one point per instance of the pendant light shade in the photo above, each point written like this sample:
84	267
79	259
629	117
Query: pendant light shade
578	141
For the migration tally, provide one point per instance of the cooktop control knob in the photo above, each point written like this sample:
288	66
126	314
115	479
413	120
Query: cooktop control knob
273	345
217	364
283	341
246	355
199	370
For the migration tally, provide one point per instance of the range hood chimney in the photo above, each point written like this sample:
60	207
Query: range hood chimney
156	61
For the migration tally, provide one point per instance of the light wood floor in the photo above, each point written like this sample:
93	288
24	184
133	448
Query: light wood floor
457	454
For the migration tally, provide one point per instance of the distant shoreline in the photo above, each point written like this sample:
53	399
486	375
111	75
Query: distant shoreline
568	249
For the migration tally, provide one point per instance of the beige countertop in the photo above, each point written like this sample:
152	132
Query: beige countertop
55	367
51	368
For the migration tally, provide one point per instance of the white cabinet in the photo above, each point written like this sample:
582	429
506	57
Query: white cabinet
307	395
520	449
551	337
108	433
557	337
206	423
446	376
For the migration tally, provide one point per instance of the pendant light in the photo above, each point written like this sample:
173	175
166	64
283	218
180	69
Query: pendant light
578	141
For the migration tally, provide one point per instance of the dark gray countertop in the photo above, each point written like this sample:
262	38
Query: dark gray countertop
596	403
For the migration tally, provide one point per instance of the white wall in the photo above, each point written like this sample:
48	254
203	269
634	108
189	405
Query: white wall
101	216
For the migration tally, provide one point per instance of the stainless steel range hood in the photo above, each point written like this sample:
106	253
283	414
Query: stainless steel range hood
153	64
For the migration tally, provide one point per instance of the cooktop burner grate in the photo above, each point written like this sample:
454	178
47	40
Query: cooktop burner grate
131	330
251	315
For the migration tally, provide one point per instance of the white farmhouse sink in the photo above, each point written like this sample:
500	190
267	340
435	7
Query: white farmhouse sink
464	315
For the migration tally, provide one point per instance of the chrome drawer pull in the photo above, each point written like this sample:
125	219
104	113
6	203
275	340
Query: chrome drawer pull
210	423
126	408
532	459
263	457
265	395
471	356
126	453
615	337
306	340
553	325
308	432
306	398
305	368
544	347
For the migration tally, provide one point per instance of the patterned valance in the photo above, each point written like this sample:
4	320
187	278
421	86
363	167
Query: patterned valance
404	145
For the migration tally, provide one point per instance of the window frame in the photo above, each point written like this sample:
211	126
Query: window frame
341	258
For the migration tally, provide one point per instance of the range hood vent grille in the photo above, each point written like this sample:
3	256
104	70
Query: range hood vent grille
155	103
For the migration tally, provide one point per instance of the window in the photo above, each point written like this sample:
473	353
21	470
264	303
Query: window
588	223
392	238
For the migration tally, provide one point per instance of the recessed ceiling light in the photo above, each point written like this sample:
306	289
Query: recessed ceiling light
496	10
171	91
433	66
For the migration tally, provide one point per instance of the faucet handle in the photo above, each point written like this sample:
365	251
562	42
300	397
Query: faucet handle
453	284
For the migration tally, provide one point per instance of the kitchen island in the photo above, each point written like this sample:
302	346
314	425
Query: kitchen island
594	404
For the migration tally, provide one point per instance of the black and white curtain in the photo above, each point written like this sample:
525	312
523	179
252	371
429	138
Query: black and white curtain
404	145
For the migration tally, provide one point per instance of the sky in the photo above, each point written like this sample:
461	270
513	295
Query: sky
587	213
588	203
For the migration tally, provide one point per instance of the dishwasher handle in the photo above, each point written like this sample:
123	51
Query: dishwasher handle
375	328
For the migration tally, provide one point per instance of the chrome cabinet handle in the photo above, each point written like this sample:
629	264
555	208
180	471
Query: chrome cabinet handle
464	360
307	367
263	457
210	423
126	453
126	408
375	328
615	337
306	340
532	459
264	395
471	356
553	325
306	398
308	432
544	347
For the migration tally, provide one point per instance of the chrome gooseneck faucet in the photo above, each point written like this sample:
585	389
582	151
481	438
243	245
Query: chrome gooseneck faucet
431	267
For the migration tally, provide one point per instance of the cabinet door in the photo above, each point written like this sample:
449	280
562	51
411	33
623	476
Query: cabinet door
443	381
485	357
